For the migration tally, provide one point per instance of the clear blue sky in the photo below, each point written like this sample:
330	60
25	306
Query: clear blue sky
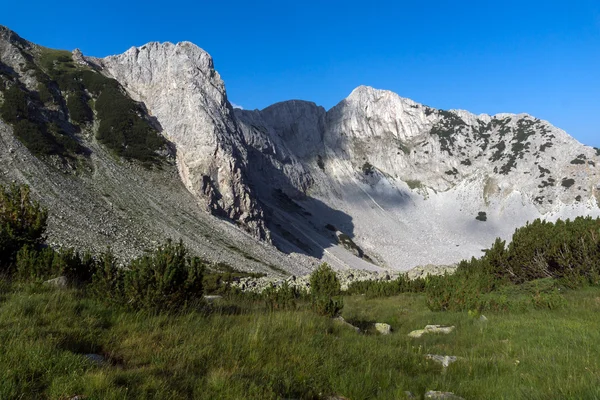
539	57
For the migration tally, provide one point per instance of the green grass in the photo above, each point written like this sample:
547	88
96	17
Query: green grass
414	184
243	351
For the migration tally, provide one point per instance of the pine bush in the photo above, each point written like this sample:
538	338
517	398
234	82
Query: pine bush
325	291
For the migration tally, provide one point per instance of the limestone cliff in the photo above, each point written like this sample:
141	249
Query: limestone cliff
421	185
180	87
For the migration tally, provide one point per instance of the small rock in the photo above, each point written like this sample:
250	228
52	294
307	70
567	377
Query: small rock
211	298
384	329
431	329
432	394
483	318
444	360
95	358
409	395
60	282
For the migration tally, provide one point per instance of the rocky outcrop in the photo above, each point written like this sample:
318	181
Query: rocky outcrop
180	87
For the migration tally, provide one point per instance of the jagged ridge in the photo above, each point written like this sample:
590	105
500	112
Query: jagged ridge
377	181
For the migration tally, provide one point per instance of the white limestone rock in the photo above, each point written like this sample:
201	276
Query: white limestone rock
180	87
431	329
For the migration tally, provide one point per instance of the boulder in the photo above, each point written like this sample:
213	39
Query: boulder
431	329
59	282
211	298
433	394
444	360
342	321
384	329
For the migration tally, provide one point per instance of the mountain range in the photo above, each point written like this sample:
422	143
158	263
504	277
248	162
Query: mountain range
129	150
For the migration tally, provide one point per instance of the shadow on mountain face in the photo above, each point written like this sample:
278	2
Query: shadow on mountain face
298	223
376	191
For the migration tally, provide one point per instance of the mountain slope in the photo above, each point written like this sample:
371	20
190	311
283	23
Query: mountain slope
125	194
179	85
422	185
134	148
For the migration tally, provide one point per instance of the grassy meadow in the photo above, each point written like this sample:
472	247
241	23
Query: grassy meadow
244	351
144	330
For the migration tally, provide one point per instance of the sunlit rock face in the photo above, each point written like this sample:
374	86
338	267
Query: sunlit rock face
420	185
180	87
376	182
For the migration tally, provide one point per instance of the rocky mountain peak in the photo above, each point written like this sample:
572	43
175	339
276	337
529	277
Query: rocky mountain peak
180	87
378	181
10	36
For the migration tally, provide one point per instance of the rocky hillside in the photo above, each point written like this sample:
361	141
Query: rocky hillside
101	163
421	185
137	147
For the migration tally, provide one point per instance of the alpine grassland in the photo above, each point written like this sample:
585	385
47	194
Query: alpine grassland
525	318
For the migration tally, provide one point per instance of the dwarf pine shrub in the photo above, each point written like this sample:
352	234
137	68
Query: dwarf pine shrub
325	291
167	279
284	297
566	252
107	280
22	222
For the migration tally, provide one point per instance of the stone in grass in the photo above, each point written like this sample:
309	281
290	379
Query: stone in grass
96	358
384	329
60	282
342	321
444	360
431	329
433	394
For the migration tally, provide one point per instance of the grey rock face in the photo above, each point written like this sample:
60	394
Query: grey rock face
179	85
105	201
425	186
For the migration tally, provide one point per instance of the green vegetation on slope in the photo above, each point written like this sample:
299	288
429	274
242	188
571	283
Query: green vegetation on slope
122	126
41	137
83	95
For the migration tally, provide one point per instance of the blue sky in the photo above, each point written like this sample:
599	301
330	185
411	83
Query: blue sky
539	57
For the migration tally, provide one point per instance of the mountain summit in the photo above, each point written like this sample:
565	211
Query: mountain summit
152	148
